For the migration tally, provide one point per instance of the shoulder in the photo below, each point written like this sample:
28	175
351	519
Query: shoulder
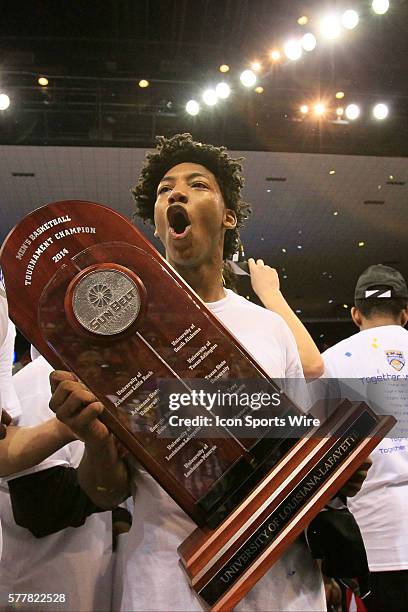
33	379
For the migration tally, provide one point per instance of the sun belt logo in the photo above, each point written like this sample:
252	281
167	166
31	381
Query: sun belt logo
396	359
100	295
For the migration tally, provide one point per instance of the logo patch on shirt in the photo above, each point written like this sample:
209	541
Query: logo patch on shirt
396	359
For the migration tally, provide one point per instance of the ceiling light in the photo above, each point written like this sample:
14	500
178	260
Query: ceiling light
303	20
391	177
192	107
256	66
361	243
43	81
380	6
210	97
4	101
330	27
335	213
275	55
352	111
248	78
345	305
340	95
380	111
299	246
259	90
349	19
340	111
298	311
332	172
224	68
319	109
330	301
223	90
304	109
293	49
283	250
308	42
143	83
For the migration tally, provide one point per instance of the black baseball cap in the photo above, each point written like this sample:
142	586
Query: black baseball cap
380	281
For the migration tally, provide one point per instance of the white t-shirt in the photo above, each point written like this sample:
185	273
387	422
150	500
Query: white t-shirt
153	579
380	507
75	562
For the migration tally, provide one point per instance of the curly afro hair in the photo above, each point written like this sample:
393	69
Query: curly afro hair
182	148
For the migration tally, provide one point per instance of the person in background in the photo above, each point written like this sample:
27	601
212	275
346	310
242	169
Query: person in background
379	352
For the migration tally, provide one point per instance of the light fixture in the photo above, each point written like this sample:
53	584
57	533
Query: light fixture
224	68
340	95
283	250
308	41
345	305
352	111
304	109
144	83
223	90
293	49
299	246
192	107
319	109
303	20
248	78
330	27
330	301
391	177
335	213
259	89
298	311
380	6
275	55
256	66
339	111
361	243
210	97
349	19
380	111
332	172
43	81
4	101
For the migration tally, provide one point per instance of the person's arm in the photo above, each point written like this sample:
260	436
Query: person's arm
265	283
102	474
24	447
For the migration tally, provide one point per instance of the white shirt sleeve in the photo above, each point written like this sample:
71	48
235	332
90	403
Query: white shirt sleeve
3	315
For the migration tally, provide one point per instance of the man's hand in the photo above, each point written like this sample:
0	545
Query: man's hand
333	594
354	484
264	279
78	408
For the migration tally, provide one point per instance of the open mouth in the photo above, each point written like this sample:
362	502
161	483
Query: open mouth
179	222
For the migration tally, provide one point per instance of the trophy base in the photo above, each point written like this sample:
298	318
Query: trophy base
223	564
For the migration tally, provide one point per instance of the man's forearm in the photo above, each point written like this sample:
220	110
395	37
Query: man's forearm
24	447
103	475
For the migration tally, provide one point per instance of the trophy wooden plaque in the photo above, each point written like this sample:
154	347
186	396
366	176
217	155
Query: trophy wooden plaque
94	296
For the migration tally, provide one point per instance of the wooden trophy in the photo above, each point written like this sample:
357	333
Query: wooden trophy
93	296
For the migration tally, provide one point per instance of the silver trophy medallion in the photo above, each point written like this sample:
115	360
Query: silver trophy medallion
106	302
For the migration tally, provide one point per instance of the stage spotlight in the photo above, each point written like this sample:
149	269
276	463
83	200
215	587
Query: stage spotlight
275	55
308	42
293	49
380	111
4	101
248	78
210	97
223	90
340	95
192	107
380	6
352	111
143	83
340	111
319	109
43	81
224	68
304	109
349	19
256	66
330	27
